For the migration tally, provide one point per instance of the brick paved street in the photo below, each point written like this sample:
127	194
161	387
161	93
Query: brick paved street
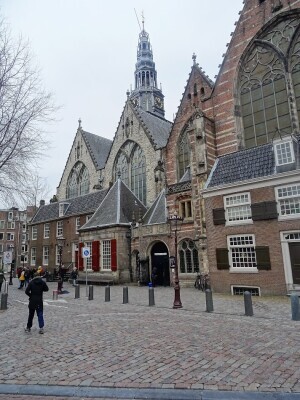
100	344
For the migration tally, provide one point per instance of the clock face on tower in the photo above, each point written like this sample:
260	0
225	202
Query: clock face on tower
158	102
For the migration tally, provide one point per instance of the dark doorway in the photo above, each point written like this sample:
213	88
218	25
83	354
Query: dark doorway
295	261
160	265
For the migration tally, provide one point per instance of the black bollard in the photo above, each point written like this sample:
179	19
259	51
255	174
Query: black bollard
248	304
77	291
295	307
91	292
151	297
209	301
3	301
107	293
125	295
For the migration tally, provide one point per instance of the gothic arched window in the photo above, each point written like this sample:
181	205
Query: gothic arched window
130	165
183	154
78	181
267	94
188	257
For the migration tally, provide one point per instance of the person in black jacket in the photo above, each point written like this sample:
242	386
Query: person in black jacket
35	291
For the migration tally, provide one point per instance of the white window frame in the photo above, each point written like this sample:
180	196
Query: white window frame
2	224
2	237
45	255
88	217
11	225
46	230
244	250
34	232
10	236
286	150
238	202
106	255
77	224
59	228
10	216
293	195
24	227
33	256
1	248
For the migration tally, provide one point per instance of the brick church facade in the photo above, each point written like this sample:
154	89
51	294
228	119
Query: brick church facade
154	169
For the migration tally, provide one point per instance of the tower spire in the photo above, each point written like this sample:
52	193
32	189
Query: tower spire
146	92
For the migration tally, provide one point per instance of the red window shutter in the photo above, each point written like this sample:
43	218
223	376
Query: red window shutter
113	254
76	259
95	256
80	259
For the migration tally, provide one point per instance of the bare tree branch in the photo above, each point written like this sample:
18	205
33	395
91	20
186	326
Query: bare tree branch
25	107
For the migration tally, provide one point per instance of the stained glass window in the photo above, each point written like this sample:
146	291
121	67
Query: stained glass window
130	166
78	181
183	154
264	84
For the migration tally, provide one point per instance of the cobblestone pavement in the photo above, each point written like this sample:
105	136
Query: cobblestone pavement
98	344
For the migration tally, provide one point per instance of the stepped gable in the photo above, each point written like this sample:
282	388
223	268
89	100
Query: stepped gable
243	165
99	148
156	127
77	206
117	208
157	213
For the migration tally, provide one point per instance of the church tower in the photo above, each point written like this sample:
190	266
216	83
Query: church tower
146	94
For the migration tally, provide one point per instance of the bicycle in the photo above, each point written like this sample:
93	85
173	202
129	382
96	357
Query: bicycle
202	282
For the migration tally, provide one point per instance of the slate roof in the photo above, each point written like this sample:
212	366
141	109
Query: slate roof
157	213
243	165
157	127
117	208
78	205
99	148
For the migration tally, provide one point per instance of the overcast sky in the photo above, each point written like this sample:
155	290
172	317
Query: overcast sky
86	50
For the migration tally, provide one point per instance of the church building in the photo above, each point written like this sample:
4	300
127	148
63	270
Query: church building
203	189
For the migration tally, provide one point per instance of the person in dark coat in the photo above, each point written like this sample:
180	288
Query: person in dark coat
2	278
34	291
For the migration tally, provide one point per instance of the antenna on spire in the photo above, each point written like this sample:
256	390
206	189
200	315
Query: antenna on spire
138	19
143	20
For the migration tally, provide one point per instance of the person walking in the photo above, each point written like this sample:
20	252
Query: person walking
2	278
34	291
22	279
74	275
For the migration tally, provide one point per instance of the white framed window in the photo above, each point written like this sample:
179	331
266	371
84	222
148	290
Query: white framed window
1	235
33	256
288	200
284	153
24	248
1	248
242	257
10	216
11	225
106	254
24	227
24	237
45	255
238	208
10	236
46	231
34	233
59	228
89	260
62	209
2	224
77	223
88	217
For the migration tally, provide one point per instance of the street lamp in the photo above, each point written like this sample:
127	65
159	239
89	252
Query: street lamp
60	244
175	222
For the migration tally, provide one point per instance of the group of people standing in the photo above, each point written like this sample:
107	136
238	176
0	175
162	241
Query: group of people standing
25	275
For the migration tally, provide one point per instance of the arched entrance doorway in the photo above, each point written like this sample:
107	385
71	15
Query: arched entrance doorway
160	264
